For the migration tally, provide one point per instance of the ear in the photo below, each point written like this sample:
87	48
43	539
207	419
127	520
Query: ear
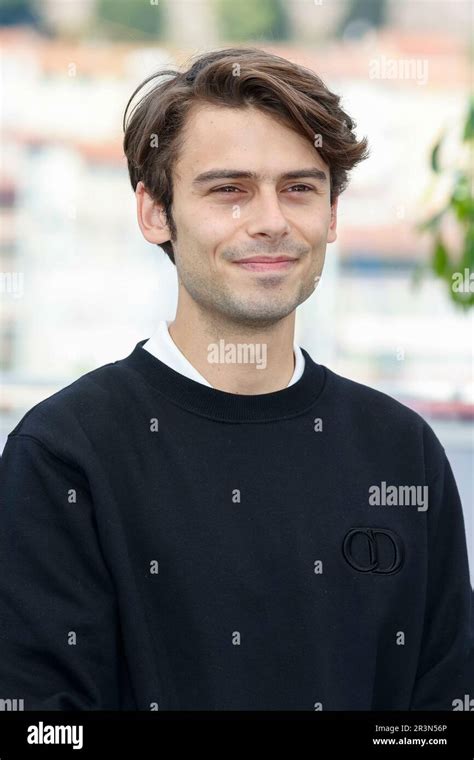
151	217
332	233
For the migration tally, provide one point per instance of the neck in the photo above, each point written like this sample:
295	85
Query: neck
236	358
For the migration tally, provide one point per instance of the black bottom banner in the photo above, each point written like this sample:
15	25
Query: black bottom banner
147	734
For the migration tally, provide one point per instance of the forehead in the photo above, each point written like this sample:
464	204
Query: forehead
244	138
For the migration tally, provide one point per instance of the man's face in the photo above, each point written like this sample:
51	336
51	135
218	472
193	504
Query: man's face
220	221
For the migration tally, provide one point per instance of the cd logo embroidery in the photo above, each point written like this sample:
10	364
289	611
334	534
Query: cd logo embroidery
373	550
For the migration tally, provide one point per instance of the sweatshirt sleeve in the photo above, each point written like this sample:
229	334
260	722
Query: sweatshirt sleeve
59	634
446	660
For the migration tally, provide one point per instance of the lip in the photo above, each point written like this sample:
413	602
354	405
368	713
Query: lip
266	263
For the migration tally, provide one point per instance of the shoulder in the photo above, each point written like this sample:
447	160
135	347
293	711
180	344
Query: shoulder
377	415
71	412
368	400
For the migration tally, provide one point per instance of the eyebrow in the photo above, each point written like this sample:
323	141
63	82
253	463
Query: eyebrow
214	174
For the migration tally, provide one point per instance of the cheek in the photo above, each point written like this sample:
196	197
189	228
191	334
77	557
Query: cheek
318	226
215	229
312	223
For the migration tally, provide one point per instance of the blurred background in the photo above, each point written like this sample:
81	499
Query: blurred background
80	286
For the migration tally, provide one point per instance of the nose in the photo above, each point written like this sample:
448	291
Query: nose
267	220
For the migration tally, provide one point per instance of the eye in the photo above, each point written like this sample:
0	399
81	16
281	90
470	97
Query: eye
226	187
306	187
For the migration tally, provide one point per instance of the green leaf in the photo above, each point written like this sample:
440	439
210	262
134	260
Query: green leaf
463	208
435	155
440	259
468	252
469	125
462	201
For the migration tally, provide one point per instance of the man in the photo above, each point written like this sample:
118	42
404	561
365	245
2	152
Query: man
216	521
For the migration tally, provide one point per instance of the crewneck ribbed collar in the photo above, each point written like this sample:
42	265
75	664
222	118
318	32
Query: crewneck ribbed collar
228	407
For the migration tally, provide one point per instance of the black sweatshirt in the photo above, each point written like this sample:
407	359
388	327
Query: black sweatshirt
166	545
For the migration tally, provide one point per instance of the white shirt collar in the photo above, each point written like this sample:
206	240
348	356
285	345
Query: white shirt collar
165	349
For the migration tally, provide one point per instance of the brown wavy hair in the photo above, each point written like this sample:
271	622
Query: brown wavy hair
234	77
